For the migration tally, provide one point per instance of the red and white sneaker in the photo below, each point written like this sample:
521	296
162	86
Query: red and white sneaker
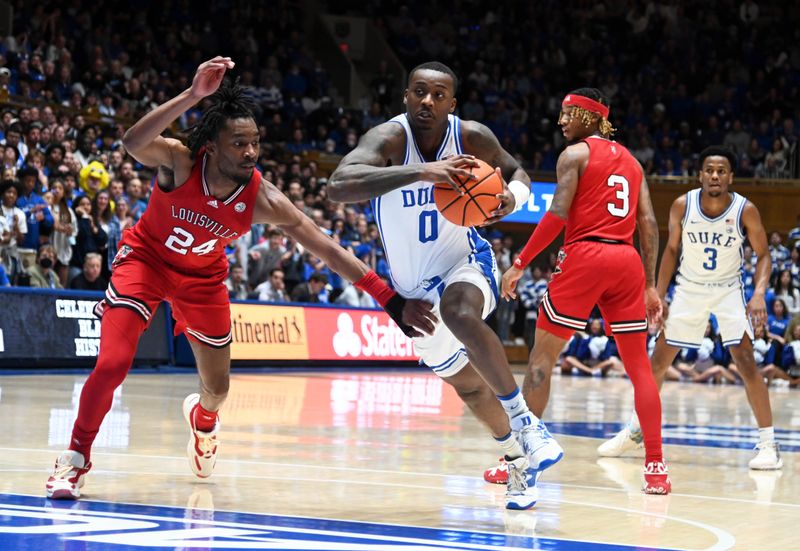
499	474
656	478
68	474
202	447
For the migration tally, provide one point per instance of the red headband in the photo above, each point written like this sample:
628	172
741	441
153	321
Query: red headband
586	103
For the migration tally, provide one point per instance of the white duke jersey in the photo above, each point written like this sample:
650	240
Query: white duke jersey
711	247
421	246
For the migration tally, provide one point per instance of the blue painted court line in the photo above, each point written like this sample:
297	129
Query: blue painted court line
29	523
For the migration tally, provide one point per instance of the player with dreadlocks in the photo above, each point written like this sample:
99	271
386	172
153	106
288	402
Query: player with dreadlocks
176	252
601	197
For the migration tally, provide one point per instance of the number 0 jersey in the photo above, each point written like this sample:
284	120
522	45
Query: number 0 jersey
711	248
188	228
421	246
606	201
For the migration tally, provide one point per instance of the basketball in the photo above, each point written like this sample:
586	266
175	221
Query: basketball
479	199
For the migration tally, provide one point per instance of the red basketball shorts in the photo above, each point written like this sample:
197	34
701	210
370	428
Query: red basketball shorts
589	272
200	303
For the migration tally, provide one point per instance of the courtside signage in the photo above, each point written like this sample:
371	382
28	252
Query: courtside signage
538	203
275	332
266	332
59	327
356	335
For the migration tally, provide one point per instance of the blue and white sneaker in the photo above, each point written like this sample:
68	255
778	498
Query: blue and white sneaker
519	495
541	448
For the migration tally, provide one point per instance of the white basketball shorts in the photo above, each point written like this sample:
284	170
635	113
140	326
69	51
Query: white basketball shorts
692	305
442	351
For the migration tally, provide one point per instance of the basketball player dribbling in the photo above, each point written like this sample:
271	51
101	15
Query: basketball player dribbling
396	165
707	231
601	197
176	252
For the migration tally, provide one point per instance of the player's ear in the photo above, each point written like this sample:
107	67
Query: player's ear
453	105
211	147
405	96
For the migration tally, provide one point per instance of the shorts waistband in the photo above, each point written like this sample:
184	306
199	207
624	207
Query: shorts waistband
680	280
599	240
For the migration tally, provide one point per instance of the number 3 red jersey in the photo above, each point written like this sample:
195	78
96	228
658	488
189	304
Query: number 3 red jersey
607	197
188	228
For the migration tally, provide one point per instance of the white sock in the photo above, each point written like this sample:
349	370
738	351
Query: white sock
633	424
517	410
510	446
766	435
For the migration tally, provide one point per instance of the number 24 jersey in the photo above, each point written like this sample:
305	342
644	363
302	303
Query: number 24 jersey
188	228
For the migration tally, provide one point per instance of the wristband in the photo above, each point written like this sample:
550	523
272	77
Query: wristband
371	284
520	191
547	230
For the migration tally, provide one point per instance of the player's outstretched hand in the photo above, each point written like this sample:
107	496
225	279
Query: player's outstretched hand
209	76
509	283
757	310
654	307
451	171
411	315
507	202
418	314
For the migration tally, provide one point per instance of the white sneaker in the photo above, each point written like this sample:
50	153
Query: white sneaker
68	474
519	495
541	448
625	442
768	457
202	446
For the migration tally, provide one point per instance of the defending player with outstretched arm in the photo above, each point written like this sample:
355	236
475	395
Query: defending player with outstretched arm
176	252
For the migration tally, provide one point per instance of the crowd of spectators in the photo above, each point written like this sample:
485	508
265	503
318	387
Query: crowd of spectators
681	74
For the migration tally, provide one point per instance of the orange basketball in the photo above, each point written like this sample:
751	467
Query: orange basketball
479	199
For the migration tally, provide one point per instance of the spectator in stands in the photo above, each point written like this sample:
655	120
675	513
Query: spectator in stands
312	290
91	237
778	322
593	354
779	253
120	221
293	264
42	273
91	278
13	228
790	360
531	295
264	257
65	229
786	291
38	216
274	288
794	265
236	283
707	362
4	281
133	191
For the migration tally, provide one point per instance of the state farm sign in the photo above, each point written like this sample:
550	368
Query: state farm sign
355	334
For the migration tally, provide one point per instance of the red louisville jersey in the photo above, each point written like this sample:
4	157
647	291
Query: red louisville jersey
607	197
188	228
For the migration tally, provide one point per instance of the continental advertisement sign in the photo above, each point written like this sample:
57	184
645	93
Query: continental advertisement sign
275	332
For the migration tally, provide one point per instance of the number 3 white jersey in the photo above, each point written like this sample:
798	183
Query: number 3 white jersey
711	247
421	246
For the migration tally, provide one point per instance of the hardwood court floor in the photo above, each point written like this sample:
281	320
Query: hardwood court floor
399	448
